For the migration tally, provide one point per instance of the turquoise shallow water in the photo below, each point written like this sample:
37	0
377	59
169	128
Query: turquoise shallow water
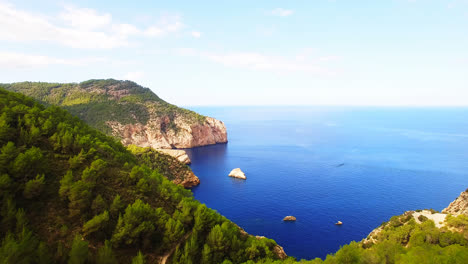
324	164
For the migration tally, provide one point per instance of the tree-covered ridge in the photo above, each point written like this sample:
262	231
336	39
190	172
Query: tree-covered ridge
99	101
168	166
70	194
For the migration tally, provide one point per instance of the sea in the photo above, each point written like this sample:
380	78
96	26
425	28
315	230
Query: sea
358	165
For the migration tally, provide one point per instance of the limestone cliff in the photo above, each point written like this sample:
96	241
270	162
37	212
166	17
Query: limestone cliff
127	111
185	132
459	206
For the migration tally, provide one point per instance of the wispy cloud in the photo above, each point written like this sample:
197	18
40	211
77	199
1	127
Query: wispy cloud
22	60
78	27
263	62
281	12
196	34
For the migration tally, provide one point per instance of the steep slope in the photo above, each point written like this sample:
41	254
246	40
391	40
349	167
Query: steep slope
168	166
71	194
459	206
129	112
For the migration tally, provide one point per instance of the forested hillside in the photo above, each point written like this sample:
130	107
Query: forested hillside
71	194
127	111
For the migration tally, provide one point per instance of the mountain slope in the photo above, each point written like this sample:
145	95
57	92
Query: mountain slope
129	112
72	194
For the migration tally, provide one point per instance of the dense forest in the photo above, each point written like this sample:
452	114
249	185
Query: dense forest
71	194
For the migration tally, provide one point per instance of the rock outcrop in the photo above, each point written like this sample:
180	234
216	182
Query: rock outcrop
185	135
459	206
188	181
237	173
289	218
179	154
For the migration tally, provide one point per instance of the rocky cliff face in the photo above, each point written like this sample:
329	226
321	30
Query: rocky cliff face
184	134
459	206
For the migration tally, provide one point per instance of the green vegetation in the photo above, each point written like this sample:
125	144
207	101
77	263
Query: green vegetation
168	166
70	194
98	101
402	240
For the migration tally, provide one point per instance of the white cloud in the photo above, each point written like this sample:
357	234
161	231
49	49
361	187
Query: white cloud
21	60
134	76
77	28
196	34
281	12
84	18
258	61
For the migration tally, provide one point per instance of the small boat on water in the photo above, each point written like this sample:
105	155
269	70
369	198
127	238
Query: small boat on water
339	223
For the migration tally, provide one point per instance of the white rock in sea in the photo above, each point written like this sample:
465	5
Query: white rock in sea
237	173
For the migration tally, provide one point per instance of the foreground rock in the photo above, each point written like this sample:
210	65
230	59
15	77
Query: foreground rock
237	173
459	206
179	154
289	218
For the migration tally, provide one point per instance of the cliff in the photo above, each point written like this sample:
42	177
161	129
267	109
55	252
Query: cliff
127	111
459	206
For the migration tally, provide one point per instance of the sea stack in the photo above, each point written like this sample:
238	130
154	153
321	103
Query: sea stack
289	218
237	173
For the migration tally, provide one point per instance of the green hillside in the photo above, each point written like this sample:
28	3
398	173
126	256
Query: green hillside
71	194
99	101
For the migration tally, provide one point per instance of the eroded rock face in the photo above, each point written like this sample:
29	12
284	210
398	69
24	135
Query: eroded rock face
188	181
459	206
156	134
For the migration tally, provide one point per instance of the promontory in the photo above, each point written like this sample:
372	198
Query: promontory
128	111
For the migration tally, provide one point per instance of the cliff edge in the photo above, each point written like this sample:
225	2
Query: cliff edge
459	206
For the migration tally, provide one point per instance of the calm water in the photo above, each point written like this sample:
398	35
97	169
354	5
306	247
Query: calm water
322	164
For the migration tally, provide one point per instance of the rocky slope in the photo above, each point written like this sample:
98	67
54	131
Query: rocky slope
132	113
459	206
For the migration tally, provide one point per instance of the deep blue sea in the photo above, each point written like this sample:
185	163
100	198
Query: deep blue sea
323	164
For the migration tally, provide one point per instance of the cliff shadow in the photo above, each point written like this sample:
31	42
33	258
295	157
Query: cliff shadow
212	154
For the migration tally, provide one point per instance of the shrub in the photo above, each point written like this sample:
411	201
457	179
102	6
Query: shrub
422	218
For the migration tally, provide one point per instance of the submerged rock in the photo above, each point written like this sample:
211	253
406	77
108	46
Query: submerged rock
237	173
289	218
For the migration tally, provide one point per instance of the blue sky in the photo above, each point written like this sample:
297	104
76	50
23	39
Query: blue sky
320	52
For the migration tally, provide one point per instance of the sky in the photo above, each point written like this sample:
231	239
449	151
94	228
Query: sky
243	52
